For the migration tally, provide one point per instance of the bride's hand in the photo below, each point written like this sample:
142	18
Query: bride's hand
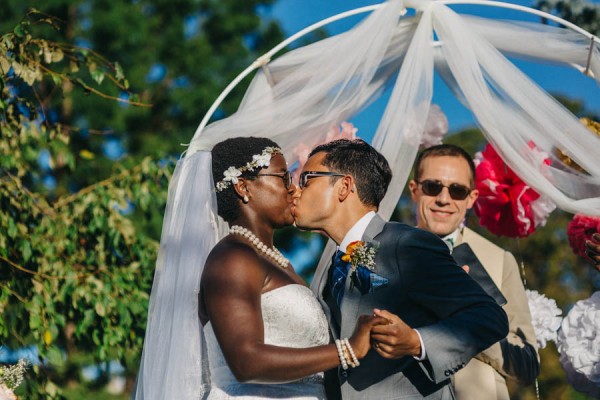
361	338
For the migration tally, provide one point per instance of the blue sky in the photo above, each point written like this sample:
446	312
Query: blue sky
295	15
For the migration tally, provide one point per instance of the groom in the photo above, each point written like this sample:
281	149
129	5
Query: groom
439	318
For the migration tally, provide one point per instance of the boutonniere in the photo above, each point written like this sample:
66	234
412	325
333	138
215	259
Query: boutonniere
360	254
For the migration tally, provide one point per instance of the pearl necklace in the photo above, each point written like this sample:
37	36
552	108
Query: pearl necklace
273	253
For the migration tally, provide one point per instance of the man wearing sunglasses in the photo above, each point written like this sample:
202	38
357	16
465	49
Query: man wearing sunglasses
439	318
443	191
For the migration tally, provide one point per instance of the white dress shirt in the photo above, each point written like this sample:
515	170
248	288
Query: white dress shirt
357	231
450	239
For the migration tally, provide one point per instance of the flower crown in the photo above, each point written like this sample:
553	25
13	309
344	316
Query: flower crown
258	161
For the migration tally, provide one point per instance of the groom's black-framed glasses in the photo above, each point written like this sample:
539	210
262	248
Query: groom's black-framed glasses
306	175
433	188
286	176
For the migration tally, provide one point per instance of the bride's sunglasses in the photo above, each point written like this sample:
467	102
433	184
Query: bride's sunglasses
434	188
286	176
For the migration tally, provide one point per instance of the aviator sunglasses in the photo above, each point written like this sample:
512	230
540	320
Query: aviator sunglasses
433	188
286	176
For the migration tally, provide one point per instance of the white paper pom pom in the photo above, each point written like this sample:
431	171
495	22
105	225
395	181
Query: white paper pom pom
579	344
436	127
545	317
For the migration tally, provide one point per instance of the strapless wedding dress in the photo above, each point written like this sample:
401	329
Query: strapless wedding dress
292	317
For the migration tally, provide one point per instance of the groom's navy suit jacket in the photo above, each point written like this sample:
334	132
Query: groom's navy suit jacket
426	289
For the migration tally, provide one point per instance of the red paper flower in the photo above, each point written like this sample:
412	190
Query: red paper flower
580	229
507	205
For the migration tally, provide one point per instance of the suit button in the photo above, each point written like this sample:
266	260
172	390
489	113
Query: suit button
344	374
447	373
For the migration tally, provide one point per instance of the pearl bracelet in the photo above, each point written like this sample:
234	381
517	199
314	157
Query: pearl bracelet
352	354
339	344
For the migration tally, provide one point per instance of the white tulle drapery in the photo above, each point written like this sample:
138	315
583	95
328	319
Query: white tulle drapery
172	360
295	100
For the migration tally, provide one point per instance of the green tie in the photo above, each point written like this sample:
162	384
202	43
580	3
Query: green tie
450	243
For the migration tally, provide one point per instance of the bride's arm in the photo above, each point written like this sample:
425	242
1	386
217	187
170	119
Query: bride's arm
232	284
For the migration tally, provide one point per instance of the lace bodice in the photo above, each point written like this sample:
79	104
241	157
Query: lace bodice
292	317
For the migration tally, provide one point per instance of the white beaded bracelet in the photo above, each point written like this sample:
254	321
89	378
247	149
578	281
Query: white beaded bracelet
352	354
339	344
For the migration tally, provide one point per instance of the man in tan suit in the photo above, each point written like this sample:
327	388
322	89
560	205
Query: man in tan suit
442	189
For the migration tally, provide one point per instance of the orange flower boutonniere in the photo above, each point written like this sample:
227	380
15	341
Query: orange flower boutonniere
359	253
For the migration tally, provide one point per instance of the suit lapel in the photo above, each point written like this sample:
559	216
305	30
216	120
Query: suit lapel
322	272
351	302
319	282
491	258
373	229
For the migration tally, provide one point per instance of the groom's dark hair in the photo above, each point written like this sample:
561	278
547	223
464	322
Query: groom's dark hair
370	169
235	152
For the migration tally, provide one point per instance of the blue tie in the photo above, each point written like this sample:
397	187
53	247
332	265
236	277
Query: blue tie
338	277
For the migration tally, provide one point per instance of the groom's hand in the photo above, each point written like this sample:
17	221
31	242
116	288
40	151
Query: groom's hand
361	338
396	339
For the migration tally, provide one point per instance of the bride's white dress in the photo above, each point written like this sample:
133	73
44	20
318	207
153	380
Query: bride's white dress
292	317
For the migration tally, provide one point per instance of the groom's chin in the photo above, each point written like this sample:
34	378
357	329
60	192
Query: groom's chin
298	224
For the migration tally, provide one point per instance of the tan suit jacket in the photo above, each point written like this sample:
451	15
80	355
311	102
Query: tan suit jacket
484	376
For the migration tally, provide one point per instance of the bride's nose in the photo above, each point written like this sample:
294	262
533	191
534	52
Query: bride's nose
294	190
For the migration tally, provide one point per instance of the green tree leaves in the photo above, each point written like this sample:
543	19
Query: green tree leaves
582	13
75	273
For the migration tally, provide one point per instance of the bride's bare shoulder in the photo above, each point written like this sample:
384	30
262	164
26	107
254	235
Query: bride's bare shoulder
232	258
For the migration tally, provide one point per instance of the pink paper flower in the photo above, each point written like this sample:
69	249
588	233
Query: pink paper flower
346	130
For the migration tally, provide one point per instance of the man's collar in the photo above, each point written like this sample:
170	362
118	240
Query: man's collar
357	230
451	238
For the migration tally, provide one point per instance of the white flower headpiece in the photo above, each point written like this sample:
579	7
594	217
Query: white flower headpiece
258	161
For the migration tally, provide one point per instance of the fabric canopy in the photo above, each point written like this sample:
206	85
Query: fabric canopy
297	97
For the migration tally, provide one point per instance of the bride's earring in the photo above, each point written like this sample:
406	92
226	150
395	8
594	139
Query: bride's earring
245	199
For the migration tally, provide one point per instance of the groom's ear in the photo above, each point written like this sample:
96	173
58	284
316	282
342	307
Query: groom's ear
346	186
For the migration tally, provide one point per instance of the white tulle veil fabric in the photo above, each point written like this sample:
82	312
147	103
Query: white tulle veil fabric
296	98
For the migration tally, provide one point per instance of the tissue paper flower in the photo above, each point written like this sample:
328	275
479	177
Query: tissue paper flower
545	317
579	342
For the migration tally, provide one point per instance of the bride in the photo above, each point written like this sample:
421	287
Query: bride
262	325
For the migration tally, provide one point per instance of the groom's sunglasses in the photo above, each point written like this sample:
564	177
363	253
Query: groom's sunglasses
434	188
306	175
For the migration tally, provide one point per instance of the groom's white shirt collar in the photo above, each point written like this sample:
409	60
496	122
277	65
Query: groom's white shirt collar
357	231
